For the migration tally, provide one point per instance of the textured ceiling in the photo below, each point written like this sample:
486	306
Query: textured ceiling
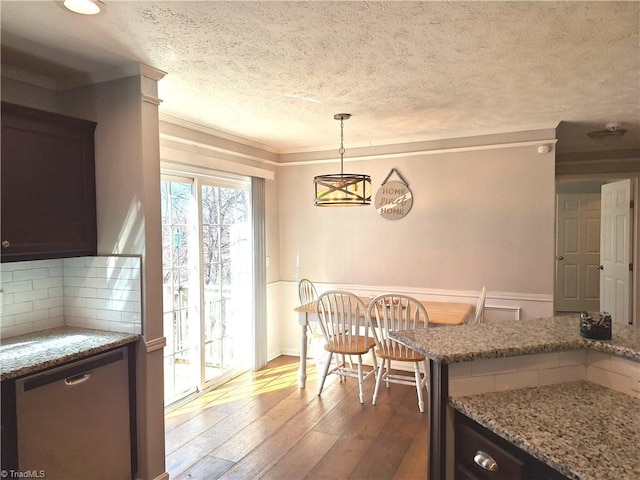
276	72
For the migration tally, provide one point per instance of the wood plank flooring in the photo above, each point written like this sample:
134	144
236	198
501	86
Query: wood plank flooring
262	426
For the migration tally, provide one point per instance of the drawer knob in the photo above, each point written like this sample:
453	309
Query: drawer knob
486	461
6	244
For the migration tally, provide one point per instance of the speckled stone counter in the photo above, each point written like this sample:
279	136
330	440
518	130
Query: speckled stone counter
508	338
26	354
583	430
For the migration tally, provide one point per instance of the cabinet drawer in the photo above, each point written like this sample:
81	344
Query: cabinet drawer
472	445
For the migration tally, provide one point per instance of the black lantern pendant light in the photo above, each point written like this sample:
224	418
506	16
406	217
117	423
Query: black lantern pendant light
342	189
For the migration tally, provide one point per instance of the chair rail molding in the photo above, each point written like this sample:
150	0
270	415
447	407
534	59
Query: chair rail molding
498	305
155	344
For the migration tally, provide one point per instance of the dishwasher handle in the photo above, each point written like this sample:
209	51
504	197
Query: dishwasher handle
77	379
73	374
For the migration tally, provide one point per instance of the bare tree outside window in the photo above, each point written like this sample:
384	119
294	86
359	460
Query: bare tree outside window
222	210
224	216
176	198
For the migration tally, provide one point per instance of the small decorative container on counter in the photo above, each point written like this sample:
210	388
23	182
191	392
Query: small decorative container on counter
596	327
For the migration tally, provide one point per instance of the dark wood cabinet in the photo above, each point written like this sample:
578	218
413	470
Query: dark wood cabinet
48	202
482	455
8	428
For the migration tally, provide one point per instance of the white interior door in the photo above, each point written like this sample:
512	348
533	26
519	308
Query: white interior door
615	253
578	252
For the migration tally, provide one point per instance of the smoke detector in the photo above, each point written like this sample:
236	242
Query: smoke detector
610	134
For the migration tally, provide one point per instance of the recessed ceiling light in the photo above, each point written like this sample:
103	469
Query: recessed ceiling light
85	7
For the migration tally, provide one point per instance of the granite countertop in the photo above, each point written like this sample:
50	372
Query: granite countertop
583	430
507	338
26	354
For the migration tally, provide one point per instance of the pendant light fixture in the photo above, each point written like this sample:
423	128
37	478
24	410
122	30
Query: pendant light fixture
342	189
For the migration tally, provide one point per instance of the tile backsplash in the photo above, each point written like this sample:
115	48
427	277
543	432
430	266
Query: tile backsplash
498	374
101	292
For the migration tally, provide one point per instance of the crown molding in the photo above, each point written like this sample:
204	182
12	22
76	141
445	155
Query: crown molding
110	74
24	76
200	162
402	153
212	132
83	80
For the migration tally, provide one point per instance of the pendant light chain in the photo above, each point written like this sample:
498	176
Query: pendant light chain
341	151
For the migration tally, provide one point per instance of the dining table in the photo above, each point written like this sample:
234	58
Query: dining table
440	313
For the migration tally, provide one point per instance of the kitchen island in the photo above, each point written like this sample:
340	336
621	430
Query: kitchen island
499	342
582	430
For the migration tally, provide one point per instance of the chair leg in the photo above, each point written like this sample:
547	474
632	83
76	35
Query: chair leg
379	376
360	381
425	382
325	372
350	361
344	365
375	362
419	383
387	372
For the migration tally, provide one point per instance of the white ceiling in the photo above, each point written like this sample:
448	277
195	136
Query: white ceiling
276	72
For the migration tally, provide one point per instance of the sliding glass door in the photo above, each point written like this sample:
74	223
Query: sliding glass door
207	269
226	274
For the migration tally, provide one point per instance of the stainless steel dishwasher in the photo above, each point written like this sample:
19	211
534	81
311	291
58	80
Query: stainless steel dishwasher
73	422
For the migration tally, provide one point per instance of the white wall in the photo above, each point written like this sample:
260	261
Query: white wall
483	217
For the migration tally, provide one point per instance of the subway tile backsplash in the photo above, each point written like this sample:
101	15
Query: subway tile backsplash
103	293
93	292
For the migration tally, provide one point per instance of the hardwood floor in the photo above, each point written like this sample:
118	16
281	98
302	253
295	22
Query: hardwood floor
262	426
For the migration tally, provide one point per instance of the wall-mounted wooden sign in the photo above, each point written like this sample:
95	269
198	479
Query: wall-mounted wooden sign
393	199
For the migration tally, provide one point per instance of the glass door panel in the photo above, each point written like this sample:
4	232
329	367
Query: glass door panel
180	352
227	282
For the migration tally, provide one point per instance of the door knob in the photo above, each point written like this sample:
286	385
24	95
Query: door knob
600	267
560	257
6	244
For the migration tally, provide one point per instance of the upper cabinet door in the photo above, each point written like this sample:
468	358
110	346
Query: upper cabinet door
48	196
